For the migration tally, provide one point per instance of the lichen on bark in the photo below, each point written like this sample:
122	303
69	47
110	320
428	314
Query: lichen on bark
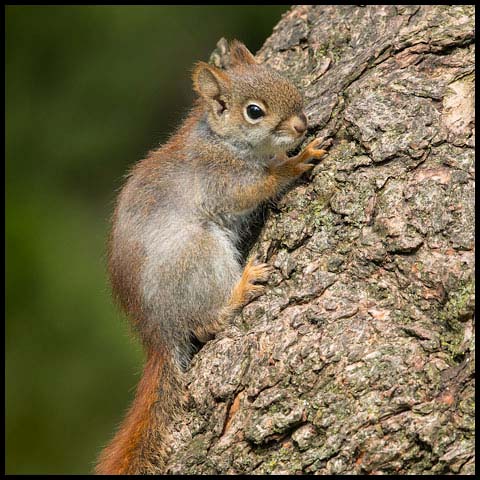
359	357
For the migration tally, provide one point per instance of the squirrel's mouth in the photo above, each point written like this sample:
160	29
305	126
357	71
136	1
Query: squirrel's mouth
286	142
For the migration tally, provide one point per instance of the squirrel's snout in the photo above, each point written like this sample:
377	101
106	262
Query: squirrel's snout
299	123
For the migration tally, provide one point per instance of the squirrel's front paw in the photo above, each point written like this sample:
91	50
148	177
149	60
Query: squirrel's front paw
295	166
312	151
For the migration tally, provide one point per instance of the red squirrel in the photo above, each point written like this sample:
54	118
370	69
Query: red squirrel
174	262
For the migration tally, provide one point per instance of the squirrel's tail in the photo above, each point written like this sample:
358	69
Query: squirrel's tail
140	444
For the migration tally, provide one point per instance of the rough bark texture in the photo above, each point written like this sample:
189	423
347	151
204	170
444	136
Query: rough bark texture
359	356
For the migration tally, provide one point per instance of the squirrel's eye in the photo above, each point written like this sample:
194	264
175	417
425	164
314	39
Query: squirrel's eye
254	111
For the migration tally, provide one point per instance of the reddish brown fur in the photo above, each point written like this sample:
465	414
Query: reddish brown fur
245	286
141	444
117	458
143	428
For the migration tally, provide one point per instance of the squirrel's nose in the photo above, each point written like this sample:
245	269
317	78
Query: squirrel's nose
299	123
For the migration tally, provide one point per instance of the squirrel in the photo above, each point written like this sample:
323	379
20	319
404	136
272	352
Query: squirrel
173	251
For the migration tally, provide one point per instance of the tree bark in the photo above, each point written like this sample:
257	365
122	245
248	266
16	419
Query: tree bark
359	356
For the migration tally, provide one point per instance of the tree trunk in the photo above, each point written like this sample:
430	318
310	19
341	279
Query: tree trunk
359	356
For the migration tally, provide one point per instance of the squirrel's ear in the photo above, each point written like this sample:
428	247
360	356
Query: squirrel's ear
208	81
240	54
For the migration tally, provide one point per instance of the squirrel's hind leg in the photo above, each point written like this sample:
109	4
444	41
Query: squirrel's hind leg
243	291
245	288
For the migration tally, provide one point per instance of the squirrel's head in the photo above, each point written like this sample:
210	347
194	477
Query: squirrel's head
249	104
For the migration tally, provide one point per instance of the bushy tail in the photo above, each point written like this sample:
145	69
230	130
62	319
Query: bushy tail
140	444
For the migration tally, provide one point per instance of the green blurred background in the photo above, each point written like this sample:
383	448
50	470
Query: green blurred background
89	90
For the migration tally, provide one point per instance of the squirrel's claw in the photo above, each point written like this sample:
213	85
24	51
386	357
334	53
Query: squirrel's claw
257	271
311	151
314	144
246	289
